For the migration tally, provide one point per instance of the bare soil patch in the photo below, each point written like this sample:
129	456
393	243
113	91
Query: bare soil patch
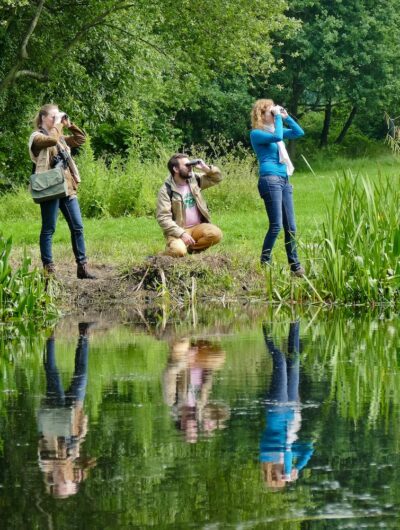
215	278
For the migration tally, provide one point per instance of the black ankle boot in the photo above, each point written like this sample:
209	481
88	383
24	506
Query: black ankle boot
83	273
49	270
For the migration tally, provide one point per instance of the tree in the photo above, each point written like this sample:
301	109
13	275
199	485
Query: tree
344	54
116	60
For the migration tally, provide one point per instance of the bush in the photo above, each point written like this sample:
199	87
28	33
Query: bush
355	144
121	187
18	205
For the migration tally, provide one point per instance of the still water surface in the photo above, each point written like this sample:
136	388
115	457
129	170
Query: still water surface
260	421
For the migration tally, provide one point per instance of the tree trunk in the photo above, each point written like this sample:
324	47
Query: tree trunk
346	126
323	141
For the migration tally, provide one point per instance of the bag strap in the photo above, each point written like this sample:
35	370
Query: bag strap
169	189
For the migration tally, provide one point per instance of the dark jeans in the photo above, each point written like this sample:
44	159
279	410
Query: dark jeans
69	207
285	374
56	396
277	194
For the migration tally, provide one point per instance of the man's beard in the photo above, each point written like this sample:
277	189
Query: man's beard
185	175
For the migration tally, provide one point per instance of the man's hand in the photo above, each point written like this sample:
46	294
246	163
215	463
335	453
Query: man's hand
202	165
187	239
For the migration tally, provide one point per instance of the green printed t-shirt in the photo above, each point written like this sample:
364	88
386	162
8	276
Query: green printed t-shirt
192	214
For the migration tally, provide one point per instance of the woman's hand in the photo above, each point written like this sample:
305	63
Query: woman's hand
66	122
284	113
276	110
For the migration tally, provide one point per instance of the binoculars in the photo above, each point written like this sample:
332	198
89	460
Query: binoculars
193	162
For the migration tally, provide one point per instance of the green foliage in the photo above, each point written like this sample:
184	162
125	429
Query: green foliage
356	144
129	186
22	292
121	187
125	71
358	257
345	54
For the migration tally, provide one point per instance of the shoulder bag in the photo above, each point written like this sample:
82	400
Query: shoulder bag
50	184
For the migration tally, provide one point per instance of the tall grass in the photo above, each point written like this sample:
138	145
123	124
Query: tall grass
358	257
355	257
130	187
23	292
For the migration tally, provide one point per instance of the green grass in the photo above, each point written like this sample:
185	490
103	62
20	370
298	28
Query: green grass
243	220
236	208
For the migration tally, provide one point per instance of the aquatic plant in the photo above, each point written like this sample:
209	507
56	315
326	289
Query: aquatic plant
359	255
23	293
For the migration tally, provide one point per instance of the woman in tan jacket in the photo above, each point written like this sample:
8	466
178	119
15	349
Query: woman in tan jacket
44	145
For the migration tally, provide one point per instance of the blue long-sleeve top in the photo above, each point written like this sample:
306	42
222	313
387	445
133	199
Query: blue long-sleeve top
265	145
274	441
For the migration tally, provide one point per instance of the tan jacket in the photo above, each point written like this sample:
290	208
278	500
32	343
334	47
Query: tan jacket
44	149
170	211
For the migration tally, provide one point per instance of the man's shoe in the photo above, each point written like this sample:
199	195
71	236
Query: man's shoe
49	270
83	273
300	272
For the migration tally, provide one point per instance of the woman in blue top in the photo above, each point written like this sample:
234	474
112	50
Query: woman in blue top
275	167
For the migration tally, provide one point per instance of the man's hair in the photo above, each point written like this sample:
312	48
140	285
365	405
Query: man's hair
173	161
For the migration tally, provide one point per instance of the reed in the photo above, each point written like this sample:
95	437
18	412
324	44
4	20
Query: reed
360	248
23	294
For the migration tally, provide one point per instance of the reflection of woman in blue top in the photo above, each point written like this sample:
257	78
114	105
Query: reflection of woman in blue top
282	455
275	167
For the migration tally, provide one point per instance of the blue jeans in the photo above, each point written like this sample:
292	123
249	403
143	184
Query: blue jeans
277	194
55	393
285	374
69	207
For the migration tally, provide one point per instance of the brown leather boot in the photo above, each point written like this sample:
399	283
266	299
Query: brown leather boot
49	269
300	272
83	273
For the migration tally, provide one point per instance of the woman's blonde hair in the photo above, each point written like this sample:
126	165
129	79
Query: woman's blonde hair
44	111
260	107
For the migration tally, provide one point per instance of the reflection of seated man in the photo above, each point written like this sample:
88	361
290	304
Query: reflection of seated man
282	455
62	423
187	385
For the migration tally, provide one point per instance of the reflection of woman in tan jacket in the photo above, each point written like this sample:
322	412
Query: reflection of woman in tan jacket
44	146
62	422
187	385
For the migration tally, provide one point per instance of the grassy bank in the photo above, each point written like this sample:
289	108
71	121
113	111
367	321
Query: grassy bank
125	242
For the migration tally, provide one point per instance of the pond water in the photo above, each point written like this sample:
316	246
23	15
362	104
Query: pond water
244	420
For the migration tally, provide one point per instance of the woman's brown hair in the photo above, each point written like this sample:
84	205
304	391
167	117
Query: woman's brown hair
260	107
44	111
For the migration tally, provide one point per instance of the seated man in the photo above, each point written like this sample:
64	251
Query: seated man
181	210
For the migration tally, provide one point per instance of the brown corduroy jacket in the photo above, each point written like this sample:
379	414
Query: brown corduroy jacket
170	211
44	148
